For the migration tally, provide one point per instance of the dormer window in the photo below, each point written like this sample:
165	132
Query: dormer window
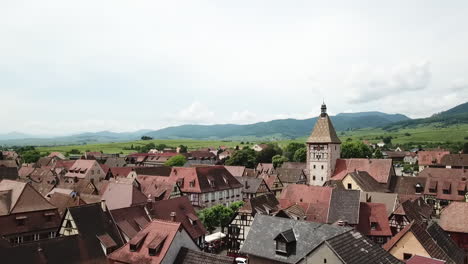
373	225
433	187
192	183
286	243
447	188
419	188
21	220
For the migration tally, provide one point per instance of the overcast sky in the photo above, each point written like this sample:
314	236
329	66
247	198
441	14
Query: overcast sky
92	65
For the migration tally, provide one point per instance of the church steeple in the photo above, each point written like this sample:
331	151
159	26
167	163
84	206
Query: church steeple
323	149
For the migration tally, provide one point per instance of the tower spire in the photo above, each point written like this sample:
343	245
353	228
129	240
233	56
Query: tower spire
324	109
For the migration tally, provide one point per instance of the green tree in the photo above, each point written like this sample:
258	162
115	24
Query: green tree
278	160
266	154
146	148
300	155
31	156
176	161
236	205
216	216
244	157
291	149
161	147
387	140
183	149
378	154
146	138
74	151
355	149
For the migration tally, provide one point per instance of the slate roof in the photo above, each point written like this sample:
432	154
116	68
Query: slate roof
91	221
249	184
183	210
454	160
260	204
291	175
130	220
294	165
379	169
354	248
417	210
454	217
309	235
323	131
373	212
9	173
115	162
190	256
157	171
69	249
433	239
344	206
366	182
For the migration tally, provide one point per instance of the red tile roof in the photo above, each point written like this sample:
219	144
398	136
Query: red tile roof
373	212
156	187
185	213
157	231
121	171
379	169
451	180
454	217
432	157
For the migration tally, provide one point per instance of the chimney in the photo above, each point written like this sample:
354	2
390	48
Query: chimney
173	216
149	203
103	205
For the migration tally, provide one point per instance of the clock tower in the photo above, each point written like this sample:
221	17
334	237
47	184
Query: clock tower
323	149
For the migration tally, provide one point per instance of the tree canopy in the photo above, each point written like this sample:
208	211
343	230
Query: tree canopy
244	157
355	149
278	160
291	149
176	161
218	215
300	155
266	154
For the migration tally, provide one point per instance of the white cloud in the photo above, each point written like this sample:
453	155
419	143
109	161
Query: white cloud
195	113
370	83
243	117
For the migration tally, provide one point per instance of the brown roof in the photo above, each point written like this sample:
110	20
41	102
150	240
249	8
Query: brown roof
156	232
204	179
119	195
407	185
373	213
323	132
156	187
20	197
264	167
294	165
185	214
10	173
291	175
453	218
130	220
455	160
366	182
446	180
251	185
236	171
432	157
265	204
8	163
379	169
63	201
190	256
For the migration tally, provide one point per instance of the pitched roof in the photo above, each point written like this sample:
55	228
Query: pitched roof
417	210
454	160
190	256
80	168
72	249
389	199
157	234
185	214
119	195
453	217
344	206
407	185
432	157
354	248
8	163
157	171
120	171
264	167
379	169
131	220
323	131
416	259
261	238
236	171
366	182
433	239
249	184
261	204
10	173
294	165
291	175
204	179
20	197
453	181
92	221
115	162
373	213
157	187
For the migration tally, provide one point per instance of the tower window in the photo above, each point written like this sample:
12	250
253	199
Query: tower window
350	186
322	167
314	166
313	178
321	178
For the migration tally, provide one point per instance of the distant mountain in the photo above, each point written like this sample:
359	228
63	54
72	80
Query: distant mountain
453	116
14	135
271	130
276	129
